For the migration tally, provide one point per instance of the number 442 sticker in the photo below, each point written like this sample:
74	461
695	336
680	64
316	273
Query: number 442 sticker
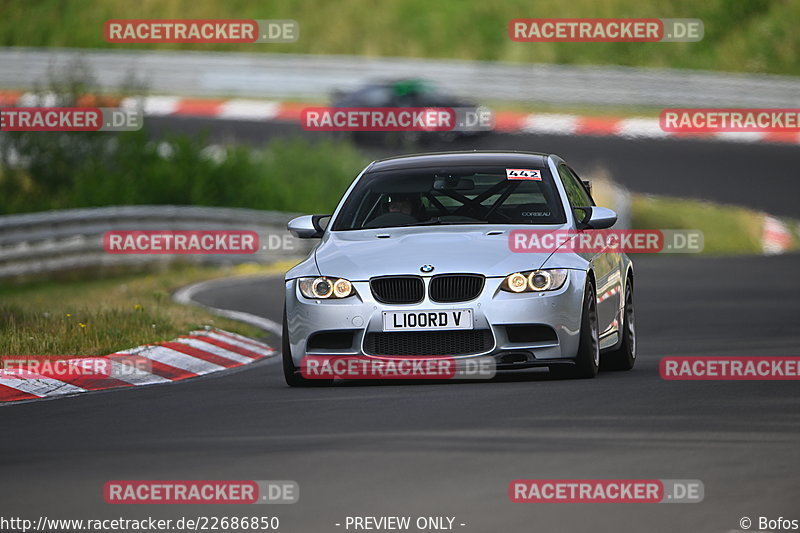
523	174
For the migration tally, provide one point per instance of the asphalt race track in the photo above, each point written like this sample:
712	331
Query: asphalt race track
451	449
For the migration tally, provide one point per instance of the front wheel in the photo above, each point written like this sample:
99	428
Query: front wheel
624	357
587	360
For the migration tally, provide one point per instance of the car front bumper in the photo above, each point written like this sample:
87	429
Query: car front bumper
343	325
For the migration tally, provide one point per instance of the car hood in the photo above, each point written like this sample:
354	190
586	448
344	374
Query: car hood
363	254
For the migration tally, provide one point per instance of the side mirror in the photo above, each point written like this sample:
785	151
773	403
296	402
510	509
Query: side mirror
596	218
307	226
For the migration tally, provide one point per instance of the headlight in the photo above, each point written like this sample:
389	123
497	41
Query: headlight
342	288
516	282
535	281
326	288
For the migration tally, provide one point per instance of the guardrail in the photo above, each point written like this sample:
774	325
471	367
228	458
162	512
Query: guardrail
51	241
313	76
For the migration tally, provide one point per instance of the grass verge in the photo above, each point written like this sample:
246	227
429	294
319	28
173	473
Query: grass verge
726	229
95	317
741	36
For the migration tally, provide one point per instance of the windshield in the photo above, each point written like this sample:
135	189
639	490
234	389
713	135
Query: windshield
453	195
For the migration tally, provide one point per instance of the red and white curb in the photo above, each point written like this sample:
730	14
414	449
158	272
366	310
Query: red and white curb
776	237
631	128
199	353
506	121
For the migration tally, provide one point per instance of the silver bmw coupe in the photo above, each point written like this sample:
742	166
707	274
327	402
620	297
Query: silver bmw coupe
421	259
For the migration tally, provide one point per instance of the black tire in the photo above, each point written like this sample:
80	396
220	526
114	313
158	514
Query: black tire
624	356
290	373
587	360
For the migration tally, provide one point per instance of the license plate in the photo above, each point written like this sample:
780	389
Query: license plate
427	320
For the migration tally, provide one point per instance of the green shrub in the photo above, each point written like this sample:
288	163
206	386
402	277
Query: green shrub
69	170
